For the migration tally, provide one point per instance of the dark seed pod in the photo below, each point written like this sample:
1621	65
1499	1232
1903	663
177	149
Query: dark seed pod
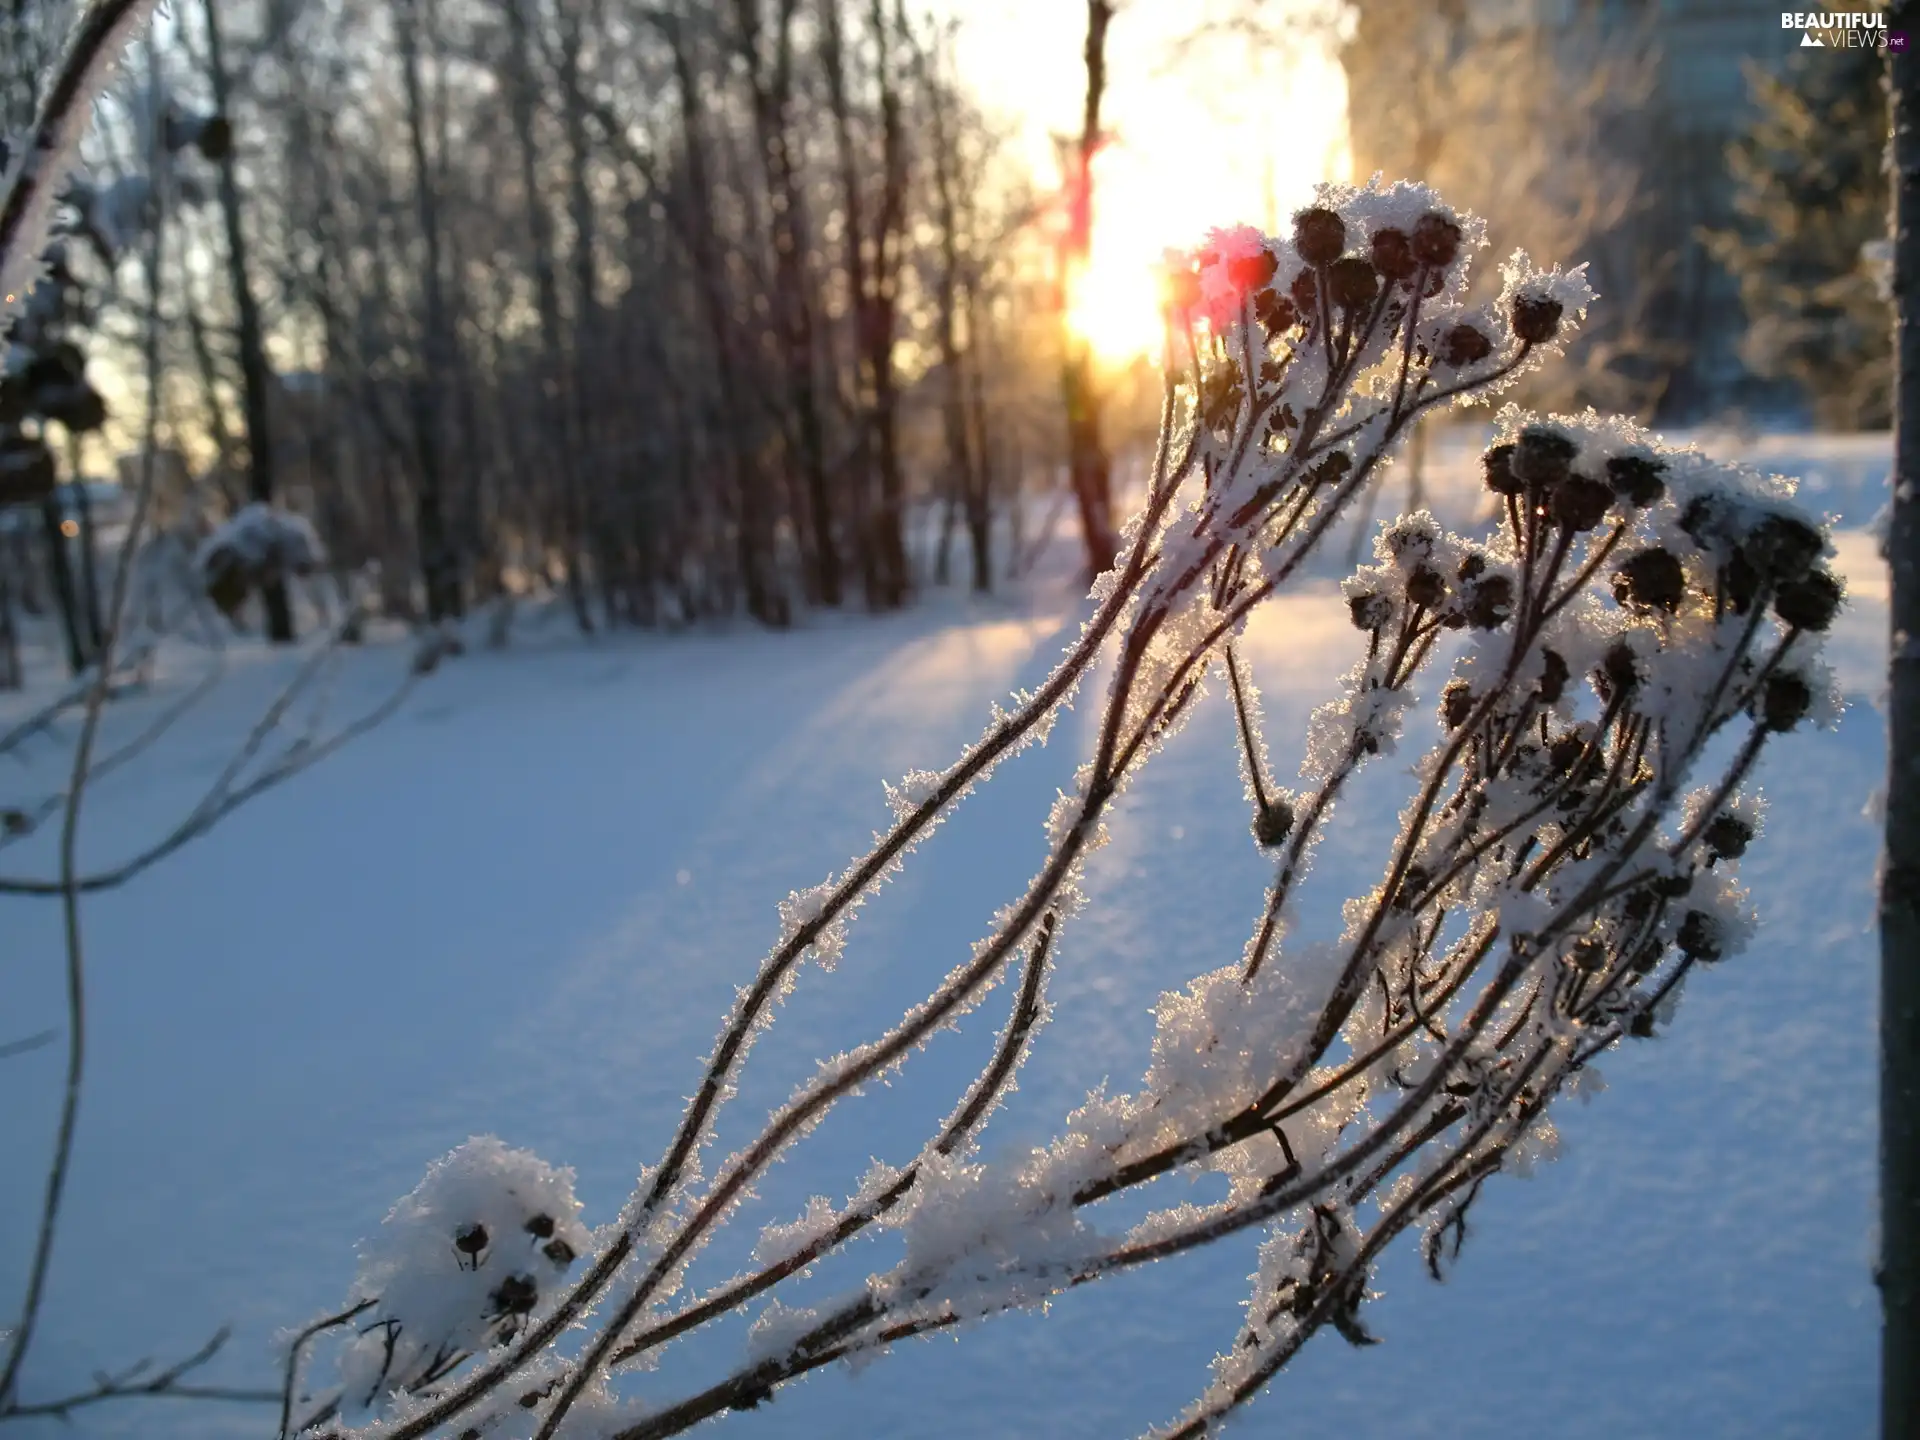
1740	581
1708	521
1728	836
1490	604
1305	293
540	1226
1319	235
1636	479
516	1295
1565	752
1554	675
1275	311
1393	254
470	1240
1250	272
1809	603
1370	612
1785	702
1580	504
1673	887
1273	823
1641	1026
1464	345
1499	467
1436	240
1700	937
1426	586
1587	955
1619	671
558	1251
1412	536
1543	458
1456	704
1536	318
1784	548
1352	284
1654	579
1472	565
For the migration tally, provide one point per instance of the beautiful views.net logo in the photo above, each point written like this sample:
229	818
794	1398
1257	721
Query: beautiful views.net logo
1842	30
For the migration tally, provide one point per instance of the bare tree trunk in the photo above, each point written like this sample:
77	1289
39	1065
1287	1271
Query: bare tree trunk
878	331
752	547
1899	1273
1089	467
255	378
793	301
546	289
960	482
439	566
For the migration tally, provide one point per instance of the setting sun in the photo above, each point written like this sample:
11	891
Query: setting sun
1236	136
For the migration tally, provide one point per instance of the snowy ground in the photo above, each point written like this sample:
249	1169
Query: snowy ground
522	906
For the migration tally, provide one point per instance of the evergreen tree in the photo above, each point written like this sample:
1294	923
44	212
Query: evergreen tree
1811	194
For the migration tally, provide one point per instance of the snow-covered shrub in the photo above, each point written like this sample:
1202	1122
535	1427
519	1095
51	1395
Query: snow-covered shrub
1638	628
260	544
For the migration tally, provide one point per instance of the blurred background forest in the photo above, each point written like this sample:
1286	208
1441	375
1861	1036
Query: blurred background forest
655	311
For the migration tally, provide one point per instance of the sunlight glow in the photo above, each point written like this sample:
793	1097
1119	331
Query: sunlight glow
1229	136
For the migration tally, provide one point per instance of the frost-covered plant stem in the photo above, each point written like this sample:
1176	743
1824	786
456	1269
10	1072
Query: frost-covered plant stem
1526	915
70	888
31	185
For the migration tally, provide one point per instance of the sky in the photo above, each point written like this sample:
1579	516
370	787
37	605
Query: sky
1213	133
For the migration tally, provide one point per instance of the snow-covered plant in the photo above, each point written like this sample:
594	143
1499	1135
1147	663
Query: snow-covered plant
1618	653
259	545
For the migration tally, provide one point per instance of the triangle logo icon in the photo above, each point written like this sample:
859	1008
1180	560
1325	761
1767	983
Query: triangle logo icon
1808	40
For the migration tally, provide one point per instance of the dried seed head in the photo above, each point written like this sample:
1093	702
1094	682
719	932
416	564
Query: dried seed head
1700	937
1411	536
1785	702
1543	458
1273	823
1536	318
1636	479
558	1251
1426	586
1370	612
516	1295
1580	503
1499	466
1304	292
1619	671
1784	547
1275	311
470	1240
1554	675
1654	579
1473	564
1393	254
1319	235
1491	603
540	1226
1740	581
1464	345
1436	240
1728	836
1809	603
1250	272
1456	704
1587	955
1352	284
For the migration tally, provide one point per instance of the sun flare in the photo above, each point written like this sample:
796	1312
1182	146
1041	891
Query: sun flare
1179	164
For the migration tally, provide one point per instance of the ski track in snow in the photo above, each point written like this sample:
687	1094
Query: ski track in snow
523	906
